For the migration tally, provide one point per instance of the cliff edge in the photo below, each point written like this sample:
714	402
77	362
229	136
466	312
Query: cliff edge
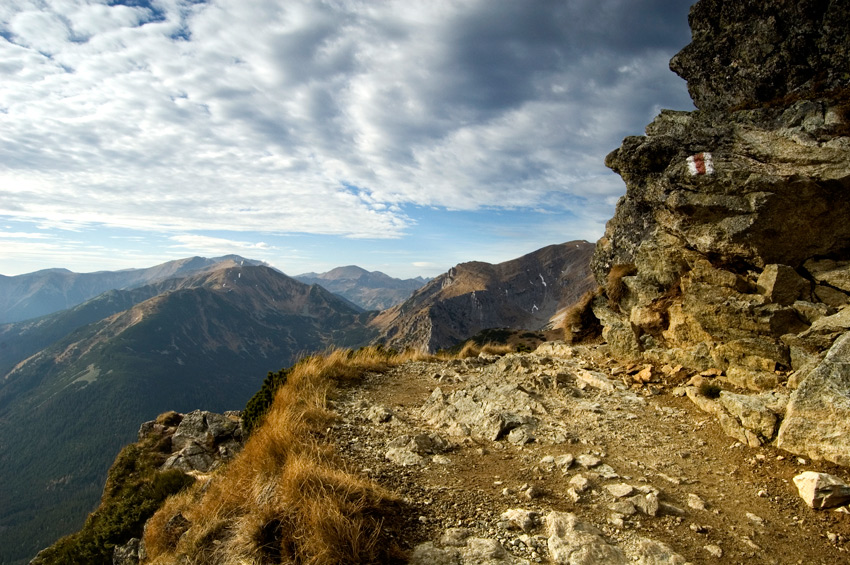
730	251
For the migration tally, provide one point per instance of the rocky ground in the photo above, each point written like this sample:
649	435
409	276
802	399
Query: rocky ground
551	458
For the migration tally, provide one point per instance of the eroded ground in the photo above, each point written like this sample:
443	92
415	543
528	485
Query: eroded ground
717	500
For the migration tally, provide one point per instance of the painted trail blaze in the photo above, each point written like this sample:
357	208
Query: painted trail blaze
700	164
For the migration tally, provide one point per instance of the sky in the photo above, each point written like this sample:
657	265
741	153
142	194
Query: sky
404	136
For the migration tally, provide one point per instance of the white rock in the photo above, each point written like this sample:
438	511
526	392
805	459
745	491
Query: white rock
580	483
572	542
822	490
696	502
587	460
620	490
404	457
564	462
651	552
606	471
648	504
525	520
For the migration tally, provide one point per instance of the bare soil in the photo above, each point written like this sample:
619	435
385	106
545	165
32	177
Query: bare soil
649	436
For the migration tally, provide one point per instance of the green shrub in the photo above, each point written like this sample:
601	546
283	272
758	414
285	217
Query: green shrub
709	389
262	400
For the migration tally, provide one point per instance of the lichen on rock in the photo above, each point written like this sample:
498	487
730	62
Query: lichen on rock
735	214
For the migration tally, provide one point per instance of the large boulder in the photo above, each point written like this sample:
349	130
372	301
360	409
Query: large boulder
817	421
202	440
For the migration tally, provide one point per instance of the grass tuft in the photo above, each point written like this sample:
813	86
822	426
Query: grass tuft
579	322
615	288
287	497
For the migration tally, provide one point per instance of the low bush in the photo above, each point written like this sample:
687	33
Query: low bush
709	389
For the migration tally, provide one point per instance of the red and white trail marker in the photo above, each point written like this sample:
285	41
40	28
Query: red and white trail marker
700	164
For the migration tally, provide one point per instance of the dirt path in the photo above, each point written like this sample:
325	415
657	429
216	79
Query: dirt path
719	501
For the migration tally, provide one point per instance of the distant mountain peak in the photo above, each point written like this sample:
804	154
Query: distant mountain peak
371	290
523	293
43	292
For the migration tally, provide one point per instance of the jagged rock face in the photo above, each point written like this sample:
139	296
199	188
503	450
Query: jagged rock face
524	293
730	213
745	54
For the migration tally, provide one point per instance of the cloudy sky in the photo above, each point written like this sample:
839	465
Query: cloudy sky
401	135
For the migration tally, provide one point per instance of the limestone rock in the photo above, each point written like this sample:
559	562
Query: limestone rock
379	414
203	440
730	210
127	554
782	285
652	552
620	490
404	457
834	273
572	542
455	537
727	64
525	520
488	411
580	483
821	490
588	460
751	412
429	554
473	551
817	421
647	503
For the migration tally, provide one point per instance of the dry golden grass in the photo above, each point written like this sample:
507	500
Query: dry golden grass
472	349
286	498
579	322
615	288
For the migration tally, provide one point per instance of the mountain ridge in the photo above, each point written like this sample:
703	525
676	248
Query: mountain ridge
43	292
370	290
475	295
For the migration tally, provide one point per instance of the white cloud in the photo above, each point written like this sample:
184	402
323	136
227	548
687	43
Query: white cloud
261	116
22	235
207	245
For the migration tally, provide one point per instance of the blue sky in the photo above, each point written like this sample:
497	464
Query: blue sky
400	135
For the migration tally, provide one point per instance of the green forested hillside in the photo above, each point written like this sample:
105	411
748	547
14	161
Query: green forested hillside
66	412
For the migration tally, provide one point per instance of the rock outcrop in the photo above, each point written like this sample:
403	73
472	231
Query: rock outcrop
524	293
200	441
730	248
817	423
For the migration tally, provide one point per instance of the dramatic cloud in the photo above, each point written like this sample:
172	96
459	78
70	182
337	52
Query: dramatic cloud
320	117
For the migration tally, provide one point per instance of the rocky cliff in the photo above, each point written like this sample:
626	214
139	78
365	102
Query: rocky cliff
524	293
731	249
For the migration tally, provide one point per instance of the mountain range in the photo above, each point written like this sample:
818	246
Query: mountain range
525	293
43	292
371	290
110	350
76	384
